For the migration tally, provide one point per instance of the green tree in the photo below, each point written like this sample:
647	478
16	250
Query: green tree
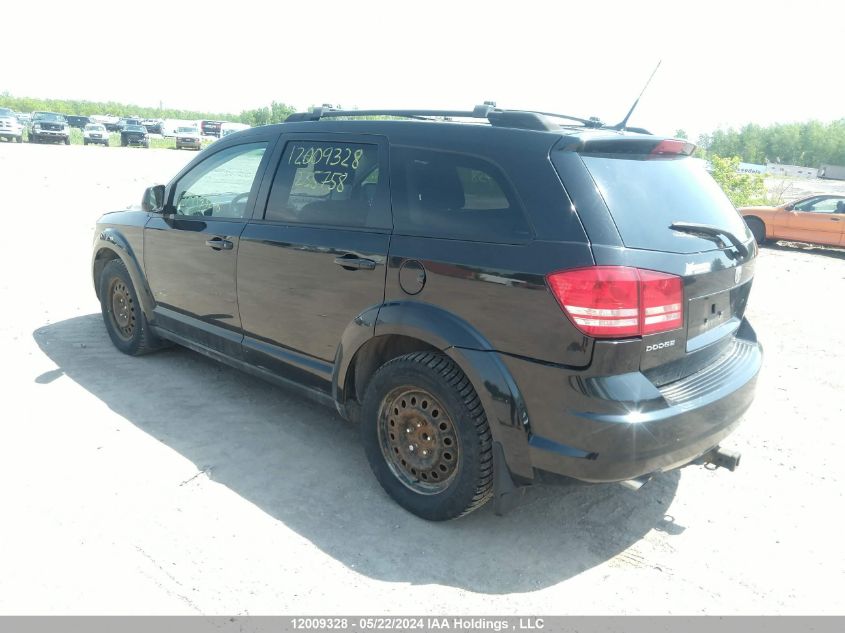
742	189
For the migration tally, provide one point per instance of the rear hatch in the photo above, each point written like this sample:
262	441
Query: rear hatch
647	207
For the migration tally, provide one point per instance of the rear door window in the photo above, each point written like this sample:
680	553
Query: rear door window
453	196
645	195
329	183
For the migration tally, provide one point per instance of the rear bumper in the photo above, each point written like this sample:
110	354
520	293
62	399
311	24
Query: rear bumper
613	428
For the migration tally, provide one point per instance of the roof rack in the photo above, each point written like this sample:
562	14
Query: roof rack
500	118
520	119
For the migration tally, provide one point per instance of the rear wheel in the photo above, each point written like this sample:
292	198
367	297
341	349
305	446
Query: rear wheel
758	229
426	436
67	140
125	322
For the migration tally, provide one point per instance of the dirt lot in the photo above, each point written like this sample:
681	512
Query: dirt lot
170	484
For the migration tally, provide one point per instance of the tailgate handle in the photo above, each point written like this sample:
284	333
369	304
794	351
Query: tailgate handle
351	262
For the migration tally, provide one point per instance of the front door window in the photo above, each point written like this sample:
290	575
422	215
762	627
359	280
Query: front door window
220	186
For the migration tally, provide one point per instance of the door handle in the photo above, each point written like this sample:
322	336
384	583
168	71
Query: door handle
350	262
219	244
836	219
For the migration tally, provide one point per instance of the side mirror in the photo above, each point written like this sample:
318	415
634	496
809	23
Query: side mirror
153	200
790	206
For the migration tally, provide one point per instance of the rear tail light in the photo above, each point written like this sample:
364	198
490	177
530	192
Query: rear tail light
619	301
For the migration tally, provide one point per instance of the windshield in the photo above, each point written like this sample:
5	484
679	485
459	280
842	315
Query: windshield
5	112
48	116
94	128
134	128
645	195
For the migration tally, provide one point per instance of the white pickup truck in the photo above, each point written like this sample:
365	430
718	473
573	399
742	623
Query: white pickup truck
10	128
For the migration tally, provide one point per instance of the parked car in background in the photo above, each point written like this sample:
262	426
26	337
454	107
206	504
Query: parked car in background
437	284
169	126
10	128
229	128
48	126
95	134
819	219
108	120
153	125
77	121
23	117
211	128
122	123
188	138
134	135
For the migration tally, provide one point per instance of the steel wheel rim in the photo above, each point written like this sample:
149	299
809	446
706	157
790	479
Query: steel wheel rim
122	309
418	440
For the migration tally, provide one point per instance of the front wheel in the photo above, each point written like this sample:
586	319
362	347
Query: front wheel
125	322
426	437
67	141
758	229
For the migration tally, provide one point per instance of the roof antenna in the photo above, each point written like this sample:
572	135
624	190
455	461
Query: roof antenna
621	125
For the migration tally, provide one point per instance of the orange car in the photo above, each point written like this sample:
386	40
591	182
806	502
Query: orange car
819	219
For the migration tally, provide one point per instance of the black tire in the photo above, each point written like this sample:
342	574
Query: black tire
441	413
67	141
758	229
84	141
19	139
129	330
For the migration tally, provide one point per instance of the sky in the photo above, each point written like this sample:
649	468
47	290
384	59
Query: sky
723	63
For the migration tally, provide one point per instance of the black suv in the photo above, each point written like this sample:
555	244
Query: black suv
134	135
493	296
78	121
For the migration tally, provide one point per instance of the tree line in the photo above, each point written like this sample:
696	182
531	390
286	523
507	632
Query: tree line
809	144
275	113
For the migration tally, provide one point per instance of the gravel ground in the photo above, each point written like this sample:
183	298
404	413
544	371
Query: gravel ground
170	484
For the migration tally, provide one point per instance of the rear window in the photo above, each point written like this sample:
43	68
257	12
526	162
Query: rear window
454	196
646	194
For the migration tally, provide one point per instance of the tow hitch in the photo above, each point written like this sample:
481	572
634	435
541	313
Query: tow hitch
722	457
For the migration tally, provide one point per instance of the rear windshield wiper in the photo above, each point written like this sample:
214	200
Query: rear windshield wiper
708	230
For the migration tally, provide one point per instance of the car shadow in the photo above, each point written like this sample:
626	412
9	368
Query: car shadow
302	464
805	247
